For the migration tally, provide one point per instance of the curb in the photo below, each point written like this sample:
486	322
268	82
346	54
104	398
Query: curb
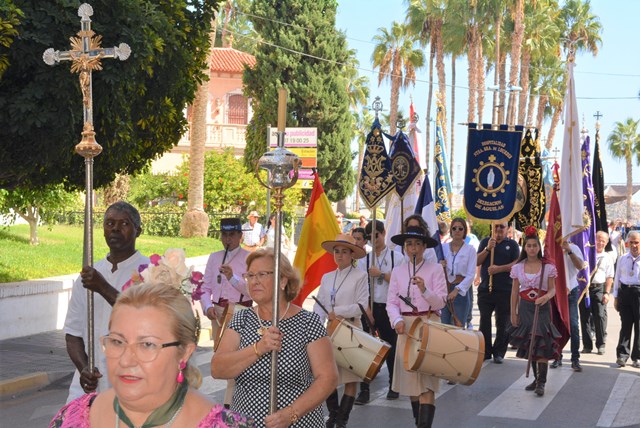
30	382
23	383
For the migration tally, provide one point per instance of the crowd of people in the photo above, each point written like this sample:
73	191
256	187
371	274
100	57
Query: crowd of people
148	327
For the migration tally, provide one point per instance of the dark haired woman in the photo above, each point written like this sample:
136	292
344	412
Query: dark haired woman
533	287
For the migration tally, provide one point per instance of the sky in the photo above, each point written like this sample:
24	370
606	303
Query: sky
608	83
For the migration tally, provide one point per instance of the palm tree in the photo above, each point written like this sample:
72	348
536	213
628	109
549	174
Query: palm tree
581	28
541	38
397	59
196	221
624	142
516	49
362	124
422	18
357	86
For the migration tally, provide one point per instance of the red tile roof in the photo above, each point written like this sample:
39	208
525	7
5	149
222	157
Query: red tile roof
230	60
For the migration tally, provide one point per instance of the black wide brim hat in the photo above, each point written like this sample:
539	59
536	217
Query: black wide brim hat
231	224
416	233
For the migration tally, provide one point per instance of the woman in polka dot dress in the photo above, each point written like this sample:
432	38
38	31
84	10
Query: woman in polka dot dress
306	368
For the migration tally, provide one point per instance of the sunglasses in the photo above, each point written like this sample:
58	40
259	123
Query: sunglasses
458	229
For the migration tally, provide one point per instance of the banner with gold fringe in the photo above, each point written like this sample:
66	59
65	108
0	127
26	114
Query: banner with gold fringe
491	175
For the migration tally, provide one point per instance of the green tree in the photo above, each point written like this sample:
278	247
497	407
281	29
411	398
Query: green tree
36	206
624	143
290	57
10	17
397	60
229	188
138	103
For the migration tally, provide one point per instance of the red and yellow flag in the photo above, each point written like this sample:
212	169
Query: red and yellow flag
319	225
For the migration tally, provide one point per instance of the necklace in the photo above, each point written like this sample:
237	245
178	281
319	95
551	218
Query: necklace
334	291
383	261
263	329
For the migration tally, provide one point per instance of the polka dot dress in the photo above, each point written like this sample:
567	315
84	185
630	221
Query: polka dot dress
251	396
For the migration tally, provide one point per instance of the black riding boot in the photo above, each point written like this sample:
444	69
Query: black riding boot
332	406
542	378
415	407
427	412
532	385
346	404
363	396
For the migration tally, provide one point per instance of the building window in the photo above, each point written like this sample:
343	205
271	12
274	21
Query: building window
238	110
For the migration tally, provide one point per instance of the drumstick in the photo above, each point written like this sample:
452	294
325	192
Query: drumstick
224	258
320	304
370	324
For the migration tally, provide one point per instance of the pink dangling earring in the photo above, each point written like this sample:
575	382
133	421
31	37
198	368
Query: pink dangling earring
182	366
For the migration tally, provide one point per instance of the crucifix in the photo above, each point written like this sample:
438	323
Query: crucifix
598	115
85	56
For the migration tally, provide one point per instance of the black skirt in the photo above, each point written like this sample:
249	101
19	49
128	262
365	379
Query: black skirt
545	345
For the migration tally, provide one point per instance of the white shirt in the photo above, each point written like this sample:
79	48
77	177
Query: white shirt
572	272
604	262
348	287
462	263
251	236
385	262
75	323
627	272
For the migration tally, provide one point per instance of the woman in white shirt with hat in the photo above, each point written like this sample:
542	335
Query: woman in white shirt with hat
341	293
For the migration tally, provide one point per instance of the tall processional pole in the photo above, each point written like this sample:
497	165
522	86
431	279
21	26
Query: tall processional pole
86	56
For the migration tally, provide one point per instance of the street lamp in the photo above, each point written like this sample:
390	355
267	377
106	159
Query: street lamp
281	168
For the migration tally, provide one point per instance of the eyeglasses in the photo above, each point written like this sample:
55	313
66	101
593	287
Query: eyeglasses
458	229
260	275
499	226
145	351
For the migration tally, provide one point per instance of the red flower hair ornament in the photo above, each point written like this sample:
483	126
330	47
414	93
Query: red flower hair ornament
530	232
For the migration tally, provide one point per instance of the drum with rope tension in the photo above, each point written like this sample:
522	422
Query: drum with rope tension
356	350
444	351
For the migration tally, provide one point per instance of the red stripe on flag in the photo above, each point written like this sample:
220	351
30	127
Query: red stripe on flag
553	253
313	276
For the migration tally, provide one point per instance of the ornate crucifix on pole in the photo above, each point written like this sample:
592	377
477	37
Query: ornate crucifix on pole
85	56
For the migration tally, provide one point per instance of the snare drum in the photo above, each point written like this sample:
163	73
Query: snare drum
444	351
219	326
356	350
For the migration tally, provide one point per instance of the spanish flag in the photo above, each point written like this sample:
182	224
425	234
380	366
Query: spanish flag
319	225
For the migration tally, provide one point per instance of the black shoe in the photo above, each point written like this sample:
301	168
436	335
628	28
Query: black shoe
575	365
392	395
498	359
363	398
555	364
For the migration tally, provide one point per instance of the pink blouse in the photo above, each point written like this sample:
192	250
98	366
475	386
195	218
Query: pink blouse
76	415
533	281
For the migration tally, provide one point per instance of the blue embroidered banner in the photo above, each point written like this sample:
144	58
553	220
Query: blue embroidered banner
491	176
404	166
376	180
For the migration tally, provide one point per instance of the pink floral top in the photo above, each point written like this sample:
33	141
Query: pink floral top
76	415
